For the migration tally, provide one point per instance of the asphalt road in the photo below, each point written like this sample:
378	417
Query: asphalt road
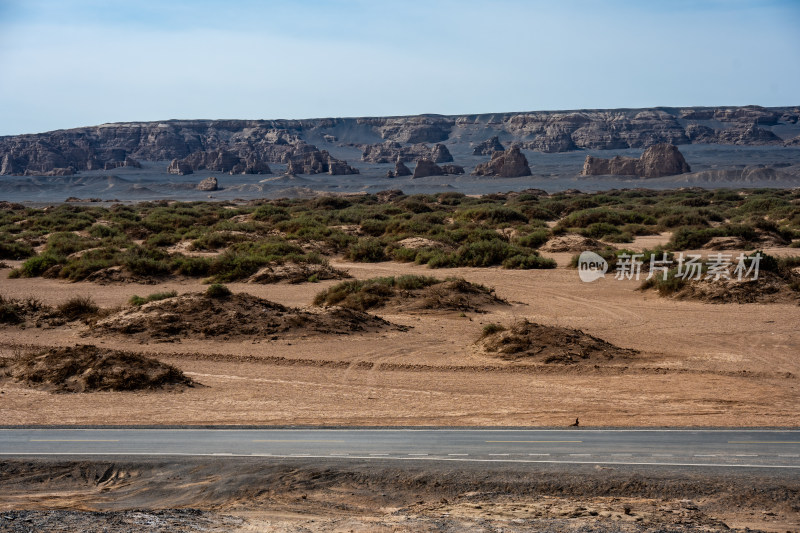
676	447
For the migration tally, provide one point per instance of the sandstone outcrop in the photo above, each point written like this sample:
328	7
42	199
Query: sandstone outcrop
452	169
179	167
208	184
426	167
390	151
318	162
510	163
400	170
222	160
488	147
656	161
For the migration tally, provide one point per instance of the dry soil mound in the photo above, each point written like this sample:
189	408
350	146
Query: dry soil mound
549	344
238	315
297	273
768	288
571	243
412	293
86	368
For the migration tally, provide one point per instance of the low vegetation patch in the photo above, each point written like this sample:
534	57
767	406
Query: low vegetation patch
409	292
154	297
137	242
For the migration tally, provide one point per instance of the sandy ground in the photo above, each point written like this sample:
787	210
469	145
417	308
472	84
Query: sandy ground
700	364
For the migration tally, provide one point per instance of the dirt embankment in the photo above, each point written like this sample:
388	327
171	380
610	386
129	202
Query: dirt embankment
303	495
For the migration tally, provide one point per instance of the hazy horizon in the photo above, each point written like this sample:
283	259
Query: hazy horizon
84	62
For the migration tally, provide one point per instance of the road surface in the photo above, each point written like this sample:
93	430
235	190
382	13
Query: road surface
676	447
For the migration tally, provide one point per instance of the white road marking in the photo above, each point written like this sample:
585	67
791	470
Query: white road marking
746	455
470	460
458	454
499	454
378	454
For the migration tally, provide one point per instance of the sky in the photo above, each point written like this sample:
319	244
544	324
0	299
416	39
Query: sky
71	63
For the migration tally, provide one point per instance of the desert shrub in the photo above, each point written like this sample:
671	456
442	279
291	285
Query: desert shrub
11	312
78	307
534	239
491	329
665	287
14	249
191	266
619	237
373	227
492	214
65	243
92	261
142	261
599	230
216	240
367	251
102	231
218	291
159	240
270	213
154	297
528	261
587	217
689	238
537	212
36	265
365	294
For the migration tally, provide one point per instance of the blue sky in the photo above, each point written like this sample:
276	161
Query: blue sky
72	63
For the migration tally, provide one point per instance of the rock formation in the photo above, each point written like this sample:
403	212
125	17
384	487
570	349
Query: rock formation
259	142
318	162
208	184
426	167
179	167
452	169
510	163
127	162
390	151
221	160
656	161
488	147
400	169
